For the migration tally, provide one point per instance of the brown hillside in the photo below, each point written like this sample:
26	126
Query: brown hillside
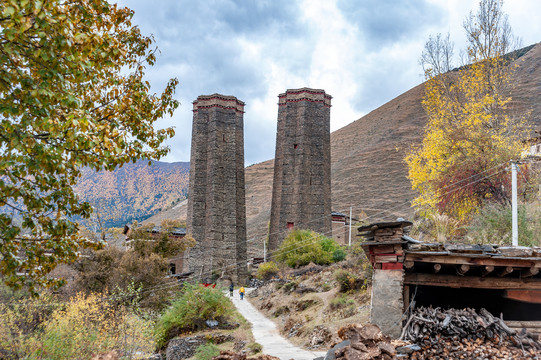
368	171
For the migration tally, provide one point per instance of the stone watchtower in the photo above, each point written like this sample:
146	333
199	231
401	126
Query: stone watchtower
301	193
216	202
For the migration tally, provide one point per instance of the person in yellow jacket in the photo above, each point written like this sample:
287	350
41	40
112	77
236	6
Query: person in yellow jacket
241	292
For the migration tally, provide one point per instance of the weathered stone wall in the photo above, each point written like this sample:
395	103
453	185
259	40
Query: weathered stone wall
387	301
216	201
301	193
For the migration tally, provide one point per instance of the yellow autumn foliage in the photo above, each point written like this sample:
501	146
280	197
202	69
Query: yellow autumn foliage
470	135
78	329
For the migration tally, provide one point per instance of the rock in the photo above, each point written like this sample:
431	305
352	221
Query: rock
320	335
387	348
366	342
331	353
371	332
229	355
184	348
239	345
350	332
211	323
155	357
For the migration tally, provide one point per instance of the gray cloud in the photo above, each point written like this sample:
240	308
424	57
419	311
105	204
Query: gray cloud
385	22
256	49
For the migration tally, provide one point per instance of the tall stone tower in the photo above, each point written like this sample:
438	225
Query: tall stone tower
301	193
216	202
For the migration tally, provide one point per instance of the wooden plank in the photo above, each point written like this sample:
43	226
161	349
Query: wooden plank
471	282
383	249
529	296
386	258
444	258
523	324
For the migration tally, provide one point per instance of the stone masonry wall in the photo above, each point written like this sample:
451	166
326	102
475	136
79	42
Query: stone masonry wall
301	193
387	301
216	200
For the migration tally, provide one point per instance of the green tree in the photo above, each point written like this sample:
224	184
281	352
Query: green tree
470	136
301	247
72	95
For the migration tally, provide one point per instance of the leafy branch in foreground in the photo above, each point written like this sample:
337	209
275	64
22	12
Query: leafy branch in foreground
72	95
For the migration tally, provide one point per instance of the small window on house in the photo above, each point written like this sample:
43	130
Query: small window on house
172	269
295	146
290	225
223	138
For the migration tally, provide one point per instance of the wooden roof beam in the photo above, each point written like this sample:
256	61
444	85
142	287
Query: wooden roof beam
505	271
462	269
487	270
454	281
529	272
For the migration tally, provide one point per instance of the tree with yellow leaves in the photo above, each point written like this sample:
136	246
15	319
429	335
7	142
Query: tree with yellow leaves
72	95
470	136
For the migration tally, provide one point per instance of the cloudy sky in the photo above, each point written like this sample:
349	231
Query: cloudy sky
363	53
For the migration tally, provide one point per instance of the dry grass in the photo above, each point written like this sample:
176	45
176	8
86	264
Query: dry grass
297	314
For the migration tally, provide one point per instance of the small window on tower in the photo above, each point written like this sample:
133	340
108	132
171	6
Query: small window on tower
295	146
223	138
290	225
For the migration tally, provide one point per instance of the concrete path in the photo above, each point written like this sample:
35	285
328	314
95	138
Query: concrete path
266	333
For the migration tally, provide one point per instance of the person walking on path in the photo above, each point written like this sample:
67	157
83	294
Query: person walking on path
241	292
231	288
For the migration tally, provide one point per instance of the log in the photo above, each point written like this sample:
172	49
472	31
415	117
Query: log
505	271
529	272
437	268
463	269
409	264
487	270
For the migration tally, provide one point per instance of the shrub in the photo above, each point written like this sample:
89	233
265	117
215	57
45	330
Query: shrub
348	281
254	347
302	247
189	312
492	225
39	328
206	352
21	317
340	302
342	306
267	270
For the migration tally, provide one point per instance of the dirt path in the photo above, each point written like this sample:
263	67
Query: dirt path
266	334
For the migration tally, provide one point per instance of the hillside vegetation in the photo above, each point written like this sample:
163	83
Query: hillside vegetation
134	191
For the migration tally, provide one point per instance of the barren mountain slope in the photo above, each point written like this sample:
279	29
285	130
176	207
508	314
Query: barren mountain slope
368	171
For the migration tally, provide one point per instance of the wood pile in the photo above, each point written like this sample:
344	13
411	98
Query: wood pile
464	333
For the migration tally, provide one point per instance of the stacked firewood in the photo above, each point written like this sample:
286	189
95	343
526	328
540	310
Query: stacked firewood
465	333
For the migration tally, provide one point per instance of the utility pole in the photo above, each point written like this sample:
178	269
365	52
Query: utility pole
514	203
350	226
